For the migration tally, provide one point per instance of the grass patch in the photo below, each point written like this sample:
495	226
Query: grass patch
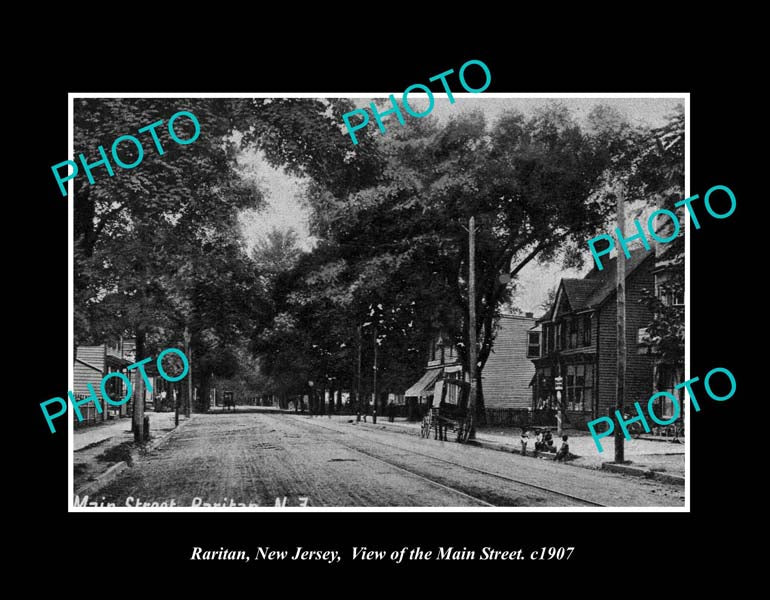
121	452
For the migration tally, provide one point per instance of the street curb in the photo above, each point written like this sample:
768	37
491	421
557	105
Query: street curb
647	473
112	472
512	449
109	475
657	439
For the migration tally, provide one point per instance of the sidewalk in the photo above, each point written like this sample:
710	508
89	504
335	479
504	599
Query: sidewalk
643	456
99	448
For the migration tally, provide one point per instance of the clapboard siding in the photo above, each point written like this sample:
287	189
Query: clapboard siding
508	371
639	368
93	355
85	374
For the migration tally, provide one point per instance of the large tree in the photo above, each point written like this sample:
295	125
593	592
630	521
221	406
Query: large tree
157	247
531	182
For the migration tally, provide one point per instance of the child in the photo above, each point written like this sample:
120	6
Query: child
539	443
548	441
563	453
524	440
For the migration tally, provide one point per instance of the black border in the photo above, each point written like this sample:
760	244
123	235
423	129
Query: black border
604	541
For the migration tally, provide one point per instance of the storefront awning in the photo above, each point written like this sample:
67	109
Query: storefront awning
425	383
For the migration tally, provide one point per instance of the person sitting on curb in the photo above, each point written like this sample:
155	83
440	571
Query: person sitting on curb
539	443
563	453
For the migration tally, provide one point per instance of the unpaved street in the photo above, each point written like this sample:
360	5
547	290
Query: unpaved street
257	457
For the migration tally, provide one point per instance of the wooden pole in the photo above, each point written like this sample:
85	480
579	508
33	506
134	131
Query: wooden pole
358	378
188	352
138	417
374	378
621	332
472	358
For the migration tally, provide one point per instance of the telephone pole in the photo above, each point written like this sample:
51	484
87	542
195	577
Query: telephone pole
472	359
374	379
621	332
188	352
358	377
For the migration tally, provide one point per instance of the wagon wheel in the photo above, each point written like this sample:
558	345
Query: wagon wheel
464	429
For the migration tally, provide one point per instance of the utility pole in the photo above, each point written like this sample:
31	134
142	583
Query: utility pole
138	414
358	377
374	379
621	333
472	360
188	352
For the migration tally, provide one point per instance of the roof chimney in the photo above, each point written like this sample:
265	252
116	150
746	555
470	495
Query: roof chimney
530	315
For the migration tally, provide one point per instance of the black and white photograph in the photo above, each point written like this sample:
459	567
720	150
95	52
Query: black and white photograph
301	302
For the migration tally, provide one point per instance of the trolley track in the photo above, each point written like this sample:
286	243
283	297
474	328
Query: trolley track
561	494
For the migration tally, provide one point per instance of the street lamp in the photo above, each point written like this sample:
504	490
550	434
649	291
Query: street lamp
310	397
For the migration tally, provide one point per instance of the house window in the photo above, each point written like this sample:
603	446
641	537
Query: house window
559	339
587	324
676	297
547	339
579	384
533	344
437	349
669	293
573	333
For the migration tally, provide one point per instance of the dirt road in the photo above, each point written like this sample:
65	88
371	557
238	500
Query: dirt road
254	458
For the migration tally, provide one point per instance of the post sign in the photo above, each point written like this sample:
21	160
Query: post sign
558	383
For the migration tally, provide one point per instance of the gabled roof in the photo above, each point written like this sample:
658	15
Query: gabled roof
578	291
605	279
596	286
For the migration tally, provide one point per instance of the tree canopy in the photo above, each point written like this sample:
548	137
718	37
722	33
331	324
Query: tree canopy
159	248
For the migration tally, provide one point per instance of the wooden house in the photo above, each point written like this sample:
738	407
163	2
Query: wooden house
579	342
505	377
92	364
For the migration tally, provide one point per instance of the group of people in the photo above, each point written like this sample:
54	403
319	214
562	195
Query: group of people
544	443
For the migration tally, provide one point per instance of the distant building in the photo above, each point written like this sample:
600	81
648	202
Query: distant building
509	369
579	342
92	364
505	378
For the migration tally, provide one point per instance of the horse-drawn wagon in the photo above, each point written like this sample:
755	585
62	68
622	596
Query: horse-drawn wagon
449	411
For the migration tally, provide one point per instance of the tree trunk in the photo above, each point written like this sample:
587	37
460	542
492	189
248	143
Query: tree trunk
481	413
205	398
